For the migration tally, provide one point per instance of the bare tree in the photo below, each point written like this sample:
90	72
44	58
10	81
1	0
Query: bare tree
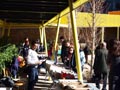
92	33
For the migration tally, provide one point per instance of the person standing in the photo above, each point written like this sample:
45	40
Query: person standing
41	47
69	57
26	47
62	40
100	65
87	52
82	59
66	52
32	62
114	64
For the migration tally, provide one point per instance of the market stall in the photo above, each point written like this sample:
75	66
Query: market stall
65	78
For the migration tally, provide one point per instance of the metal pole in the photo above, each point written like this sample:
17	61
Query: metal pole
118	33
69	26
40	32
45	42
75	37
9	28
102	35
3	28
58	29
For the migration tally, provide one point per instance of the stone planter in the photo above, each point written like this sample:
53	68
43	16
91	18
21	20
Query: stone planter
73	85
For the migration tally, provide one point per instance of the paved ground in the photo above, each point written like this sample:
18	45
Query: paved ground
43	83
100	86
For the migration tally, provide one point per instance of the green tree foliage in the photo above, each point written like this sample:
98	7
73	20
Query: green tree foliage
6	54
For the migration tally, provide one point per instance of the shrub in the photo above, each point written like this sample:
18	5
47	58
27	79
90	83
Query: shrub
6	54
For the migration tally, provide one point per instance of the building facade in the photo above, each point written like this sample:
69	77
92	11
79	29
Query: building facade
114	5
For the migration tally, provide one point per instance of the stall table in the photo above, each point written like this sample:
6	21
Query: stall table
65	78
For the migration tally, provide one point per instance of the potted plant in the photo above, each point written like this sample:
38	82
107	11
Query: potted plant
6	54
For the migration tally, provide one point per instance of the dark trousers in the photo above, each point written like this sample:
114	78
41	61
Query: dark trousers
114	82
32	77
98	77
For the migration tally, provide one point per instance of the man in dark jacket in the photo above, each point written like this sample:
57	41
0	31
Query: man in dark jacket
63	48
100	65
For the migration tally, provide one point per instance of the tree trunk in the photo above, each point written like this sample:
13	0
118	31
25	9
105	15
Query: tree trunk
93	38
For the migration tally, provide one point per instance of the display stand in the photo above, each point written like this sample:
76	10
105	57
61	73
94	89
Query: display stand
67	81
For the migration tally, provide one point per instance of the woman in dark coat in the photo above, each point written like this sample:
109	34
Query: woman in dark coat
114	64
100	65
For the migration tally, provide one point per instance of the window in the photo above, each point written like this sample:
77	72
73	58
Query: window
118	6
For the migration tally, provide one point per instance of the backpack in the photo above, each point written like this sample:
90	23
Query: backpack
7	81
